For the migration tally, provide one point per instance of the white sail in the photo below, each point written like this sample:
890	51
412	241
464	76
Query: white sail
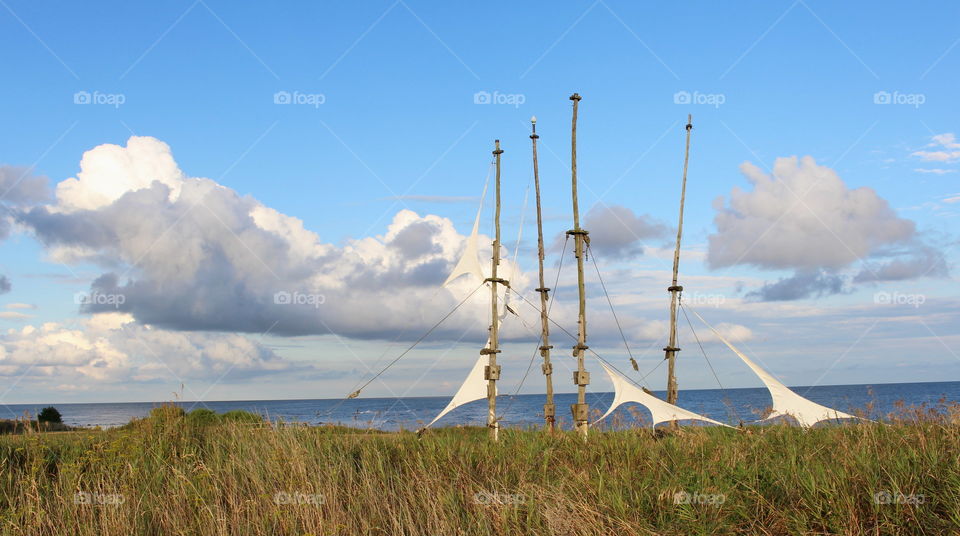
473	388
785	402
660	411
470	261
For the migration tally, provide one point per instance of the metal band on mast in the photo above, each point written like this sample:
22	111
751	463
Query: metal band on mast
492	370
671	349
549	408
581	377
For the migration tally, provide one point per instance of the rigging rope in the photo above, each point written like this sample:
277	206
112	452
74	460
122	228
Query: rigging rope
356	393
540	335
516	254
516	246
403	333
574	337
593	257
726	398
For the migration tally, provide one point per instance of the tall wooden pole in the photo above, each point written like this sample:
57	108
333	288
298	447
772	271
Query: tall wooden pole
549	409
581	377
671	349
492	370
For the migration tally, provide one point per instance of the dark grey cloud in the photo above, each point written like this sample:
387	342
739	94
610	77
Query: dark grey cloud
416	240
18	185
616	232
919	261
4	284
800	285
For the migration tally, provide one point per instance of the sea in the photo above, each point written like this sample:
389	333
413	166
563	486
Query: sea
733	406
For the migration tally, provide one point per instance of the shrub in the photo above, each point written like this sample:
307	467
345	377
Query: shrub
203	416
50	414
241	416
167	412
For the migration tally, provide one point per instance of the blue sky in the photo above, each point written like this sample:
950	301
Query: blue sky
388	120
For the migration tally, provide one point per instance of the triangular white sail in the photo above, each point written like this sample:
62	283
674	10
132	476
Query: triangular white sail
473	388
785	402
660	411
470	261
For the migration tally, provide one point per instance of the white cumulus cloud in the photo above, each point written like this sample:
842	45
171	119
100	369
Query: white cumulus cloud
113	347
186	253
803	217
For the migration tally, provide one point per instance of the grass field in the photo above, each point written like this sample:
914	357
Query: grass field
207	474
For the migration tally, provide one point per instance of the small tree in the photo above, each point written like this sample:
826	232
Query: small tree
49	414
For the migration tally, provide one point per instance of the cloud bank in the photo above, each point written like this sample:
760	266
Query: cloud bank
112	347
803	217
186	253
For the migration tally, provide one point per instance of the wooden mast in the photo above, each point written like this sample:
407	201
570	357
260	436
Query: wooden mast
549	409
492	370
671	349
581	377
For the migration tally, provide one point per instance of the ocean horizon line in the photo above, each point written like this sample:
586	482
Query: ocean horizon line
335	399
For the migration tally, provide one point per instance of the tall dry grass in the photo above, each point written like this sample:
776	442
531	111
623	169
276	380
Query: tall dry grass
169	475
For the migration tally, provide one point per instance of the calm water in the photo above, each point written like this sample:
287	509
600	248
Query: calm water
524	410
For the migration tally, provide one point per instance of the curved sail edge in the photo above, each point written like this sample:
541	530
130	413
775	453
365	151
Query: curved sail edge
785	402
660	411
473	388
